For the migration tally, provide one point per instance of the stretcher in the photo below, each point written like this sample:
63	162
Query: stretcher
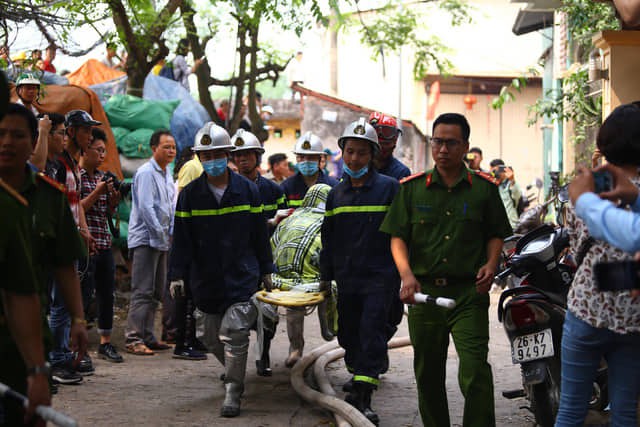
290	298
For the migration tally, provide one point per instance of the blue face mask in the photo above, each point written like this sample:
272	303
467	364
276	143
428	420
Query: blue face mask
355	174
308	168
215	167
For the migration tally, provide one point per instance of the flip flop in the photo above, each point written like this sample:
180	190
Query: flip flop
139	349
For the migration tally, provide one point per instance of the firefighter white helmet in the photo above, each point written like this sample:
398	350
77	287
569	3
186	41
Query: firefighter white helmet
308	144
212	137
360	129
244	140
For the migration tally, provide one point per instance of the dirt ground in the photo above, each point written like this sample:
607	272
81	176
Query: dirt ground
161	391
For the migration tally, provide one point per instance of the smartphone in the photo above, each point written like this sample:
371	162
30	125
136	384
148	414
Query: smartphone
617	276
471	156
603	181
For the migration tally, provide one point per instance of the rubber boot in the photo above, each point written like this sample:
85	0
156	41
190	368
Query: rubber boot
324	324
263	366
231	404
235	366
360	398
348	386
295	331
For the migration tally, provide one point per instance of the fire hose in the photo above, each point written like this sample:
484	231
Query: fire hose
345	414
47	413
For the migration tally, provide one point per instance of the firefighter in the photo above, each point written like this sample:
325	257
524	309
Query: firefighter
308	150
246	155
358	257
221	242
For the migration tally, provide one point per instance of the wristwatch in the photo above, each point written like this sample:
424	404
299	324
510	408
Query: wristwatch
40	369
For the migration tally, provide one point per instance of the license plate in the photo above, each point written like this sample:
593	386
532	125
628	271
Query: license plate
532	346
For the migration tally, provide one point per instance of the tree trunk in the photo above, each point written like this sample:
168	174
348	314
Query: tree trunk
204	71
257	126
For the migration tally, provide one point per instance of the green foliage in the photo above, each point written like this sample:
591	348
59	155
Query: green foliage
586	17
571	103
508	93
394	26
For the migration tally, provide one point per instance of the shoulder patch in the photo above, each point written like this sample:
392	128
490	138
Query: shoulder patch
412	177
52	182
486	177
13	193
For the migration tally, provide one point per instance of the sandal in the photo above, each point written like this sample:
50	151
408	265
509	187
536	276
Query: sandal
139	349
158	345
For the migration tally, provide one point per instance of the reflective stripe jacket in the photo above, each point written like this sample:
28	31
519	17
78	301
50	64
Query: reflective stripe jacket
395	169
354	252
224	247
271	195
295	189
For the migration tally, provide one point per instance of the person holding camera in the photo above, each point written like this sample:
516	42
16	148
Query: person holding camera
98	198
510	192
602	322
473	158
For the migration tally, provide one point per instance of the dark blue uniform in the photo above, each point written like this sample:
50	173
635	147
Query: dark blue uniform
272	196
358	256
224	245
395	169
295	189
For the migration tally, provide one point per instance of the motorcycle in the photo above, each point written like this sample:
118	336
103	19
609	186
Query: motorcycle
532	310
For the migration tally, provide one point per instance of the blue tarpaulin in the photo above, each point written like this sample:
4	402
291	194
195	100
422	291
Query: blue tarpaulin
190	115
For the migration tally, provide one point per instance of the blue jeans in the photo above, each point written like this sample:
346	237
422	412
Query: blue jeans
583	346
60	325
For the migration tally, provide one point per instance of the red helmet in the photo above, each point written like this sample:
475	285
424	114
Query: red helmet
385	126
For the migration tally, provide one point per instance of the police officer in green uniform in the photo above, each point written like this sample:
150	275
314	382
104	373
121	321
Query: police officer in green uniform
55	240
23	366
447	227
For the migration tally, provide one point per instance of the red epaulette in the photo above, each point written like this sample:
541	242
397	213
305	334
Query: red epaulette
412	177
487	177
52	182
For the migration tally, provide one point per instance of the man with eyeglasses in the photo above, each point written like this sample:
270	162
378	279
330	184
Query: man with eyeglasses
447	226
387	129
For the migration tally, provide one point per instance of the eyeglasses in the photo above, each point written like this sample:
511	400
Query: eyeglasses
60	132
386	132
98	150
450	143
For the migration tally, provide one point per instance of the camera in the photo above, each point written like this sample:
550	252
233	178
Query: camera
123	187
603	181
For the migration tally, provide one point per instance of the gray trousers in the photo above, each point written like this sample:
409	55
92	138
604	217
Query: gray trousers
227	337
148	277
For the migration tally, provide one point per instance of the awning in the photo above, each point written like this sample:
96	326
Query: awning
531	20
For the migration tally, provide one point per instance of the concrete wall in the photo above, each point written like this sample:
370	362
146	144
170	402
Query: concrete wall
503	134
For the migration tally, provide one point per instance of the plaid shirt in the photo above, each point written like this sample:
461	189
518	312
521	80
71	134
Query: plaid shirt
97	215
296	244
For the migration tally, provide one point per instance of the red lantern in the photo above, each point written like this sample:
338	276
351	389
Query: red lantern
469	100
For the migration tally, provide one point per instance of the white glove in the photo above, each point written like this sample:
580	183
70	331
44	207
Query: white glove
176	288
267	284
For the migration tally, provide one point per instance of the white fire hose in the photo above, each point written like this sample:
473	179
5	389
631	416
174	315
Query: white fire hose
345	414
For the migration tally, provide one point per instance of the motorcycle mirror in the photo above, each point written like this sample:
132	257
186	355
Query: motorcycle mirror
539	183
563	194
